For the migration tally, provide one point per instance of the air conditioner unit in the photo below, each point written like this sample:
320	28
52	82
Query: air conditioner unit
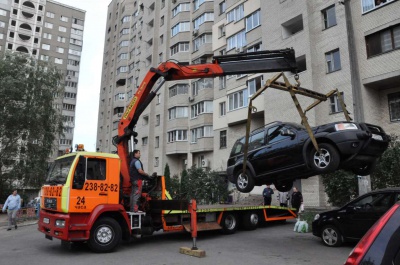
195	32
185	161
240	50
204	163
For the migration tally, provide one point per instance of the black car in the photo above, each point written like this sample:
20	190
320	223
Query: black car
381	244
353	220
280	152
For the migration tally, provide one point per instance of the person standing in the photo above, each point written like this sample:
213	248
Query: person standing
136	174
13	203
267	194
283	198
297	199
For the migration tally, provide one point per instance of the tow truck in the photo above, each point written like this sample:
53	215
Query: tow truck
84	196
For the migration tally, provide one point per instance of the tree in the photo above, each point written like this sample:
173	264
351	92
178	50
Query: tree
341	186
387	170
29	123
167	175
206	186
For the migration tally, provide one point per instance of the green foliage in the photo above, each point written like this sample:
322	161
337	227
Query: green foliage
167	175
341	186
29	124
387	172
206	186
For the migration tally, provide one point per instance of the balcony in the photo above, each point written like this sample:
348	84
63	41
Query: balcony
177	148
202	145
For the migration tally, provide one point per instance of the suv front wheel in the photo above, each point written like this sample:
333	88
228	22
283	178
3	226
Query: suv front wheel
244	182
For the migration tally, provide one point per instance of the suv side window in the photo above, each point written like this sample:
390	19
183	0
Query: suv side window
256	140
274	135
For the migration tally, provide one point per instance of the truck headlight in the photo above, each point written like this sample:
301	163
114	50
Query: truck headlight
316	217
60	223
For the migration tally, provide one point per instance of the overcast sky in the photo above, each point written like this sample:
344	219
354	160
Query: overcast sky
90	70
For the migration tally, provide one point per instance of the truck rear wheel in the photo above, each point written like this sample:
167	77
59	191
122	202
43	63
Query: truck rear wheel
250	220
229	223
105	235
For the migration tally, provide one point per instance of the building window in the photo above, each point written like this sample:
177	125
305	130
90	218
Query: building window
180	47
49	14
202	19
156	161
45	46
180	27
158	99
236	41
368	5
329	17
332	61
58	60
394	106
200	41
157	142
383	41
3	12
236	14
60	39
178	112
238	100
221	31
198	3
158	119
74	52
2	24
44	57
201	132
335	103
48	25
119	96
179	89
222	109
201	84
124	31
75	41
253	21
68	107
64	19
200	108
254	85
77	21
125	19
222	139
145	140
176	136
47	36
222	82
222	7
62	29
60	50
180	8
76	32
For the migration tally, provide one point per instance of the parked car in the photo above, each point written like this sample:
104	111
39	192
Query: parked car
353	220
280	152
381	244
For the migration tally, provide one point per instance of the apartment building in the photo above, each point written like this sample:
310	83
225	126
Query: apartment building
51	32
349	45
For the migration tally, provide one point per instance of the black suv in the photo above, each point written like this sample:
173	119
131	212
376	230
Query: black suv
281	152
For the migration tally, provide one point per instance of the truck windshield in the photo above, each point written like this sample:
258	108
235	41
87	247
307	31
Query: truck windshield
59	170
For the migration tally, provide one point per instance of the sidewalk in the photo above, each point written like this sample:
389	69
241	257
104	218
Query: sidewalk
23	221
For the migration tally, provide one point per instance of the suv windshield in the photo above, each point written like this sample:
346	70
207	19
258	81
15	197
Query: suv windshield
59	170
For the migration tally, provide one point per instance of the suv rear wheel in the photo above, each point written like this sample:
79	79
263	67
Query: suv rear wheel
244	182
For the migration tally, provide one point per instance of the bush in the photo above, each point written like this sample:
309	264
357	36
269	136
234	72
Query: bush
341	186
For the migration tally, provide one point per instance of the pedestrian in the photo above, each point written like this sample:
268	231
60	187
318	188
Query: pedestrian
267	194
136	174
297	199
283	198
12	204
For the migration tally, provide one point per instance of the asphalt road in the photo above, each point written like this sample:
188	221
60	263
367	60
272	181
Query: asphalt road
271	244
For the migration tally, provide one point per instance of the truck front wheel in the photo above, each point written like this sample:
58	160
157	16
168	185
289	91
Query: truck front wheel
105	235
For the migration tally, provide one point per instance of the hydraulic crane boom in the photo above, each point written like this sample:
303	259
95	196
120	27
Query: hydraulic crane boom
246	63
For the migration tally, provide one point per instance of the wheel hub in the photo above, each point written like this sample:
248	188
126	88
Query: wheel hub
104	235
242	181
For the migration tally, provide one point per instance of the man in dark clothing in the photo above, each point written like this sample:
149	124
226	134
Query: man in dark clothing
136	175
297	199
267	194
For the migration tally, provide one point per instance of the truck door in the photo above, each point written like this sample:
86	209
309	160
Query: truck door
90	185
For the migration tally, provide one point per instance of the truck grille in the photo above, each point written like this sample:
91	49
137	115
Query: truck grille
50	203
